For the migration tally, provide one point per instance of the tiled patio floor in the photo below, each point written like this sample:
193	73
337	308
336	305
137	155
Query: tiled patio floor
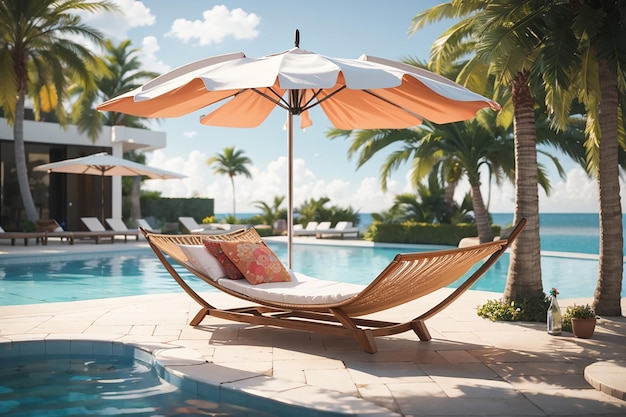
472	367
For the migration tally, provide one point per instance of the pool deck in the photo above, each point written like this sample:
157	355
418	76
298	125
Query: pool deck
472	367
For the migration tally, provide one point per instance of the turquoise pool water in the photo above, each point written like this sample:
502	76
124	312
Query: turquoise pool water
89	276
83	378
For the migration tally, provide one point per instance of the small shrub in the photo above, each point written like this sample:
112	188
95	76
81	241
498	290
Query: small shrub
28	226
576	312
499	310
527	309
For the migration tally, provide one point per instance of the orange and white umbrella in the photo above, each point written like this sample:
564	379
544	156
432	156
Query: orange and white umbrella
364	93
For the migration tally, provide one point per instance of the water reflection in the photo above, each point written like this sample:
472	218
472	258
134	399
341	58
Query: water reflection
125	274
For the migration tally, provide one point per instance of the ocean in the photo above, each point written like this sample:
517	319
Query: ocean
559	232
573	270
565	232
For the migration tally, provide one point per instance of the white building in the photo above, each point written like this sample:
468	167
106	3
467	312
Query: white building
65	197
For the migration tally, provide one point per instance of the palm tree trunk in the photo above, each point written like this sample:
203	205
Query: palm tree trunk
448	195
524	277
20	161
606	299
232	182
480	214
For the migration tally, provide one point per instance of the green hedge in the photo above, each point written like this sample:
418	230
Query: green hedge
264	231
424	233
168	210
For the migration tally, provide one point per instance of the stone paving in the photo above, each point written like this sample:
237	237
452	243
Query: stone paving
472	367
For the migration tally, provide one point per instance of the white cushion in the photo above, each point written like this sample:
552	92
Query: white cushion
200	259
301	290
323	226
343	225
311	226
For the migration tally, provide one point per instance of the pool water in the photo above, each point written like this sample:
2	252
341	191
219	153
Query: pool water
96	384
84	277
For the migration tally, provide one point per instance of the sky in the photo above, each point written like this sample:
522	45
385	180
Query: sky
170	34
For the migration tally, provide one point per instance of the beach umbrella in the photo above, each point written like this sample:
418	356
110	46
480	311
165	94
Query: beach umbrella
103	164
363	93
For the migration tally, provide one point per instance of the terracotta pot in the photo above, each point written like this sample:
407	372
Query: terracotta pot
583	328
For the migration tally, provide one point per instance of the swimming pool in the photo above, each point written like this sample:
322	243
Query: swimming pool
82	377
94	276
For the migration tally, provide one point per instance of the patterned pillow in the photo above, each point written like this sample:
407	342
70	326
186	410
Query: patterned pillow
256	261
215	249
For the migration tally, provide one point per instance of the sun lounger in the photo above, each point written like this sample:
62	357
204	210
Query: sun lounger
119	226
144	223
311	229
341	229
52	229
48	225
98	231
287	304
191	226
13	236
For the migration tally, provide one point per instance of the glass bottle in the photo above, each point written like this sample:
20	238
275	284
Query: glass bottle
554	314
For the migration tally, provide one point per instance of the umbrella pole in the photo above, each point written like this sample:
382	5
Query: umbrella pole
102	196
290	194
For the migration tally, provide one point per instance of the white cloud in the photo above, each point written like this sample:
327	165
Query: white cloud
147	56
266	183
132	14
576	194
217	24
190	134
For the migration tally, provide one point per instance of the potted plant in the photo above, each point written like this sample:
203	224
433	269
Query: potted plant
580	320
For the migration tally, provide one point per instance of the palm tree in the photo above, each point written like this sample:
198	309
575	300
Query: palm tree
585	60
37	58
123	74
510	55
467	145
573	50
273	212
428	205
310	210
230	162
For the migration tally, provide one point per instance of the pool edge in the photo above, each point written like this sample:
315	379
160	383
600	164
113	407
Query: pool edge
187	370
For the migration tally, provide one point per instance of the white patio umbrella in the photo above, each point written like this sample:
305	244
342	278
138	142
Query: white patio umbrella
103	164
364	93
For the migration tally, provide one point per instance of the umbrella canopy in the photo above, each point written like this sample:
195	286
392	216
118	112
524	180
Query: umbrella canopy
103	164
364	93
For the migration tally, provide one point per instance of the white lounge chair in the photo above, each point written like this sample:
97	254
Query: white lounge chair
119	226
96	228
341	229
191	226
309	230
144	223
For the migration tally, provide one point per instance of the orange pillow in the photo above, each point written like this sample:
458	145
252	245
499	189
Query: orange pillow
215	249
256	261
